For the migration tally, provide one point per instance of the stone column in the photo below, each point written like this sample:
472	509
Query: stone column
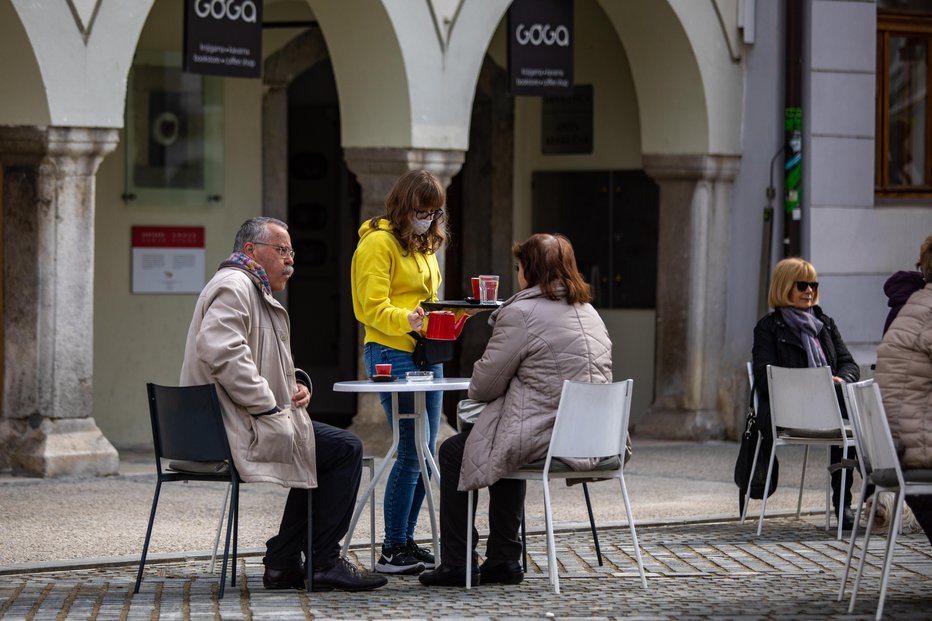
376	170
46	427
693	255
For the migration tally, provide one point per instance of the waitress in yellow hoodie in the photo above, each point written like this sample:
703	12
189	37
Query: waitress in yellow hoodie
394	268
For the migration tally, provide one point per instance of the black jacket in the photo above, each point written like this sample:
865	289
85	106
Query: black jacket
777	344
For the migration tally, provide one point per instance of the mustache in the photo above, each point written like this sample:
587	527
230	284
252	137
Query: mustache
288	271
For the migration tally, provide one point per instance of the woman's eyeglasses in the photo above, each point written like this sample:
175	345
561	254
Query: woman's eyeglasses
802	285
431	214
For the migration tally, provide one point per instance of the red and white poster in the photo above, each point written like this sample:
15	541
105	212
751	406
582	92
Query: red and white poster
168	259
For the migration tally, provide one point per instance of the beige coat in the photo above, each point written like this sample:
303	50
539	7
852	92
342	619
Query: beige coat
240	339
904	373
536	343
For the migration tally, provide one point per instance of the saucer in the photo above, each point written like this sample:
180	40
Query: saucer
383	378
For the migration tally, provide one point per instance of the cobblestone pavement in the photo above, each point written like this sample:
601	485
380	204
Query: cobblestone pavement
695	571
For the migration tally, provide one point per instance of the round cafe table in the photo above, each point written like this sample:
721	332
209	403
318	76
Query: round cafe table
420	390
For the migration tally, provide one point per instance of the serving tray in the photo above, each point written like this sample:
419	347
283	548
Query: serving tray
467	303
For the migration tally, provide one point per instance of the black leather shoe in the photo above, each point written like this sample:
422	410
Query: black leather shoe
345	576
501	572
446	575
275	579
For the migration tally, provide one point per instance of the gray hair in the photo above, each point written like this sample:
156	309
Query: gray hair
255	230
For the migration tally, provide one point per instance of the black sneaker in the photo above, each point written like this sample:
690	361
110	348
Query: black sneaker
397	559
421	554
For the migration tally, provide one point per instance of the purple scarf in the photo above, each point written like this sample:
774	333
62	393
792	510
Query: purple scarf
250	265
807	327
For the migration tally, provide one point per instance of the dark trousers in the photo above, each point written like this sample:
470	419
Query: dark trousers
836	477
921	506
506	504
339	469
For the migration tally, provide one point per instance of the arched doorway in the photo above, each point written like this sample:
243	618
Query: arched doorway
308	185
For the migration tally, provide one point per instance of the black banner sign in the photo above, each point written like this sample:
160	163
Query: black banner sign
540	47
223	37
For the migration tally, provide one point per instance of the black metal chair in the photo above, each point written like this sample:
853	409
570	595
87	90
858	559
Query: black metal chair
188	431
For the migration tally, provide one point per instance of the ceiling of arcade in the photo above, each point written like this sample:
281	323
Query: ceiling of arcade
419	61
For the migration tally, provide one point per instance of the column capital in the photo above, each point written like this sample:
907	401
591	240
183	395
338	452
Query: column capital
698	166
377	169
81	149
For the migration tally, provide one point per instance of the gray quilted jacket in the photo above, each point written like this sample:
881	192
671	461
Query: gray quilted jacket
536	343
904	373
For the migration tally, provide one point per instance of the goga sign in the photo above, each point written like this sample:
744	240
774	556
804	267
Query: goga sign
540	47
223	37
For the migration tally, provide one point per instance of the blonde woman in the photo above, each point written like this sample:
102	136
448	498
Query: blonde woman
797	333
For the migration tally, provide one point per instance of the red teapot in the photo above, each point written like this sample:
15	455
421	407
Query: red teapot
443	325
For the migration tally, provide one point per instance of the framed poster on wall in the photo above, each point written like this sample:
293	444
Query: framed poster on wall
168	259
174	134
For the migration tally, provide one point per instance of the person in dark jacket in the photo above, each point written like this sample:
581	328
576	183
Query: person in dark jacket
798	334
899	287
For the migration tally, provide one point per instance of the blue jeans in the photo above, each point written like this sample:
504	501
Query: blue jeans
404	490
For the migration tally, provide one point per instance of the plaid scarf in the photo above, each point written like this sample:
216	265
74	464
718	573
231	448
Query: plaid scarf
250	265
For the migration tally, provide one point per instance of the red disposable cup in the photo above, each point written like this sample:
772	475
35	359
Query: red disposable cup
383	369
475	287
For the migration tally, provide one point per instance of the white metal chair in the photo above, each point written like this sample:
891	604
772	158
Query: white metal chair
804	410
877	452
591	421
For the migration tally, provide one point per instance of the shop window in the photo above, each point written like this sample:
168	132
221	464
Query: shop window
903	162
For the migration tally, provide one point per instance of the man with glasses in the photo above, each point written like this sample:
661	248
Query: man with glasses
239	340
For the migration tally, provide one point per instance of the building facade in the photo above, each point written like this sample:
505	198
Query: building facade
679	107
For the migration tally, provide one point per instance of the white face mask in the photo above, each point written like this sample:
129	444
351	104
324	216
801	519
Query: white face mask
420	226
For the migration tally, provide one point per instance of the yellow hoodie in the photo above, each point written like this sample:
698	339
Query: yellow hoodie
388	283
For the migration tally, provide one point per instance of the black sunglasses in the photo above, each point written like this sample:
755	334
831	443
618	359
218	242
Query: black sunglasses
802	285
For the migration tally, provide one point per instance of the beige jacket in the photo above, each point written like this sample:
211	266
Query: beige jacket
240	339
536	343
904	374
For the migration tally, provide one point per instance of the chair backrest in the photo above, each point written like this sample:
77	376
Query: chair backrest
187	423
876	439
592	420
803	398
853	406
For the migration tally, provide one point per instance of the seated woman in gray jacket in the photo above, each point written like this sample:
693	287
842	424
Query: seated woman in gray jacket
544	334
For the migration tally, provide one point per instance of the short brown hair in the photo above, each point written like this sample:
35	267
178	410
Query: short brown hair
785	275
925	259
414	189
548	260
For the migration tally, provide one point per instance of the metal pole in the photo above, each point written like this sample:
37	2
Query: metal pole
793	114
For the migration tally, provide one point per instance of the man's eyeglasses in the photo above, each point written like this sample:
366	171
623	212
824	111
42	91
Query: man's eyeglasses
431	214
284	251
802	285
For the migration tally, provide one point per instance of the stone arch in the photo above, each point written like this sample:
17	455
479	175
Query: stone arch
421	70
84	58
19	66
696	106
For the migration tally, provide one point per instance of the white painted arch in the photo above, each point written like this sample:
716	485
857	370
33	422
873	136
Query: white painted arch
689	89
84	52
406	70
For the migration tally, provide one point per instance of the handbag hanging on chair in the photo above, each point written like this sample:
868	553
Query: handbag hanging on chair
745	459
